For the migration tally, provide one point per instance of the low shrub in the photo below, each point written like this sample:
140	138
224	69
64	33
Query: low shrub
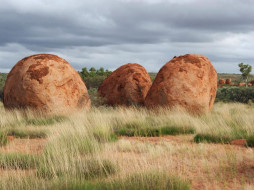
210	138
154	131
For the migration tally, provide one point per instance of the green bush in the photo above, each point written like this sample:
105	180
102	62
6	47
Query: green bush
209	138
250	141
235	94
94	82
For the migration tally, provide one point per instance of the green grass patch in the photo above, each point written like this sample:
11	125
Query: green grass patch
154	131
3	137
210	138
32	134
18	161
105	137
141	181
45	120
81	169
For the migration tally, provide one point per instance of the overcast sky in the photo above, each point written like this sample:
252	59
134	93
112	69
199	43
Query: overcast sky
110	33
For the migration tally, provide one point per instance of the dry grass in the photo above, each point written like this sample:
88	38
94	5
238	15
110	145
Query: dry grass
72	143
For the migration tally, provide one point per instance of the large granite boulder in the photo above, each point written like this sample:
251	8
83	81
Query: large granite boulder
45	82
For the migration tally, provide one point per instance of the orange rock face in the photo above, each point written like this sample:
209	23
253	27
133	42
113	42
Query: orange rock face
127	85
45	82
221	81
189	81
228	81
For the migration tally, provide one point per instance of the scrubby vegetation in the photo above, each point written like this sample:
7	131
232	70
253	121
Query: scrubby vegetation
3	77
92	77
235	94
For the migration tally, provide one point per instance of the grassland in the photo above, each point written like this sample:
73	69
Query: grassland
127	148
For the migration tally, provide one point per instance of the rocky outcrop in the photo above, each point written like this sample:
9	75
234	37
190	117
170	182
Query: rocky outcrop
189	81
45	82
127	85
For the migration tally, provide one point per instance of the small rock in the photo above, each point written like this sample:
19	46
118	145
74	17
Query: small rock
228	80
241	84
240	142
221	81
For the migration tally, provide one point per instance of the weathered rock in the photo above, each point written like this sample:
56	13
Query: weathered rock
221	81
127	85
228	81
45	82
241	84
189	81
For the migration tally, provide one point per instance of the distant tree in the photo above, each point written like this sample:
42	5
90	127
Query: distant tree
107	72
245	70
92	77
92	72
84	72
100	72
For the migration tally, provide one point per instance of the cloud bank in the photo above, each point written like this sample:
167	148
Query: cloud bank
110	33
